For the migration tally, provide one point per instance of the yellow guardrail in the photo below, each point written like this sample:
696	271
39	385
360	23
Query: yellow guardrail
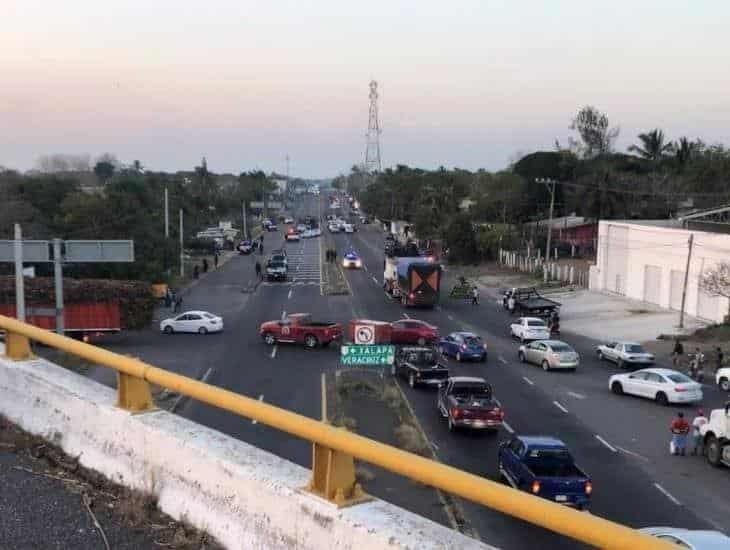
334	448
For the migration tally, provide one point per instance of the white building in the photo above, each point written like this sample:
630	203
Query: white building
647	261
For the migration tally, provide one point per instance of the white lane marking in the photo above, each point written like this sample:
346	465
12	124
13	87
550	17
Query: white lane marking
528	380
507	427
632	453
502	360
433	444
273	352
206	375
606	443
283	315
558	405
364	267
576	395
261	398
406	316
289	295
450	317
667	494
375	280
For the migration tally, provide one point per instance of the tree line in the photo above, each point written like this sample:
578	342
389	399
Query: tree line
655	178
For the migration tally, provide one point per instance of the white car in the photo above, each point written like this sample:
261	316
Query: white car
292	235
348	227
722	378
301	228
310	233
288	219
334	228
689	538
661	385
529	328
201	322
625	354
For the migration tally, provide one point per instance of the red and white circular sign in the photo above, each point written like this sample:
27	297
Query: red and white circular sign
364	334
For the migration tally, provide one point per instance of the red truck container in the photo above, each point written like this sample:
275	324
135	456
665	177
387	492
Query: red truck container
369	332
80	319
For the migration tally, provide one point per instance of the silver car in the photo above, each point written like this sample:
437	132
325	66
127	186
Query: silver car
625	354
549	354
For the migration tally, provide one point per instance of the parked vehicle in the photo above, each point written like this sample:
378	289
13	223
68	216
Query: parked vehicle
625	354
419	365
463	346
694	539
272	227
468	402
722	378
276	269
201	322
333	227
299	328
529	328
245	247
351	260
549	354
413	331
529	301
662	385
292	235
716	436
413	281
348	228
288	220
544	467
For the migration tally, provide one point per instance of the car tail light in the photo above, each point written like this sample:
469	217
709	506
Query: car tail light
535	487
678	389
498	412
589	487
456	413
411	295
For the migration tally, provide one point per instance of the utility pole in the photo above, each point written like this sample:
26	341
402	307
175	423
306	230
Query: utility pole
550	184
243	214
19	286
686	278
58	285
167	214
182	254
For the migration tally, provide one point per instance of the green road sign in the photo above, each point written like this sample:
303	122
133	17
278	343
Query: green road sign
367	355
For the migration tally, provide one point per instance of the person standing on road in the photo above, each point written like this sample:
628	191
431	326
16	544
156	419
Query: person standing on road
261	248
196	271
719	358
677	352
679	429
475	296
205	265
258	270
511	304
178	304
215	260
699	421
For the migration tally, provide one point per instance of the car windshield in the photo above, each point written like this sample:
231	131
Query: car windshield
679	378
560	348
633	348
476	391
535	323
208	316
472	341
276	264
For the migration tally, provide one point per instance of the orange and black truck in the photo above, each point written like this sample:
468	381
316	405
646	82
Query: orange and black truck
414	281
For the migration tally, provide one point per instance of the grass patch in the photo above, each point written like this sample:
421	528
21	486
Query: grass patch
720	333
409	439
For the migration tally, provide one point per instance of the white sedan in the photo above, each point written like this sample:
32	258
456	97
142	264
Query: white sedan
625	354
529	328
661	385
201	322
311	233
288	219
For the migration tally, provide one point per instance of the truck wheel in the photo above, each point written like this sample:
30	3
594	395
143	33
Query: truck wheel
661	398
724	384
310	341
713	450
617	388
412	380
169	329
270	339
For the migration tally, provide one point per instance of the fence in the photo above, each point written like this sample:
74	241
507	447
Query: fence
334	449
550	271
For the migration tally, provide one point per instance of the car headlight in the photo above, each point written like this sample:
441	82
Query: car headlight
358	263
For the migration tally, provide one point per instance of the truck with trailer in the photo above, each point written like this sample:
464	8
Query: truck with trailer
414	281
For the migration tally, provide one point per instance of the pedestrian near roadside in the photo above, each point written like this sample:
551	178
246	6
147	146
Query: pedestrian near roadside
475	296
334	256
679	429
699	421
205	265
678	352
196	271
168	298
511	304
719	358
261	248
178	304
215	260
258	270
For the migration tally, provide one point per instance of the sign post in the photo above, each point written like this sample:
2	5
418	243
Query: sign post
367	355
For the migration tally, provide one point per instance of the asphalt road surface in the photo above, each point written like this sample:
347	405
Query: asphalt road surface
620	441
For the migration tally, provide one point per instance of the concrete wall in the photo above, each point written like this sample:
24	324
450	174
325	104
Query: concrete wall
247	498
647	262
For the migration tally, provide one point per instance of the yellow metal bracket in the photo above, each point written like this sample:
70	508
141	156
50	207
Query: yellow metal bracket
133	394
333	477
17	346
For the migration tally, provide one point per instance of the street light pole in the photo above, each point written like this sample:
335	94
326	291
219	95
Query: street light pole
550	184
182	253
167	214
19	286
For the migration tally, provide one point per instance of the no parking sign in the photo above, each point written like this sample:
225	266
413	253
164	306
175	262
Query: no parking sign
364	334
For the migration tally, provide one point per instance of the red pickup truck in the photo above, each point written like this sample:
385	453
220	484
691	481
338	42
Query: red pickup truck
298	328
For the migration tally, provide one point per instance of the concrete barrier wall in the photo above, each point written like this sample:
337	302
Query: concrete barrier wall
246	497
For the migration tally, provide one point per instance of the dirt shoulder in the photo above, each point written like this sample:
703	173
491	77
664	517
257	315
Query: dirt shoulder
50	501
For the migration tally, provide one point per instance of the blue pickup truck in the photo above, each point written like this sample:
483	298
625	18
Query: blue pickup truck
544	467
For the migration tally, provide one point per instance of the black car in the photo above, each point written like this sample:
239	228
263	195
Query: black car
276	269
419	365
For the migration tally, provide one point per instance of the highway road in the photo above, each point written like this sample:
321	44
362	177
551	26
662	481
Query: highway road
621	442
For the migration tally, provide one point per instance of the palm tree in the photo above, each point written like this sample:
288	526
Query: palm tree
653	147
684	151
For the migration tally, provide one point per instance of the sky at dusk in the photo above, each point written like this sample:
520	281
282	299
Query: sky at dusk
462	83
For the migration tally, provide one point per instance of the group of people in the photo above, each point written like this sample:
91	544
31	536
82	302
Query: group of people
680	430
206	265
173	300
698	358
331	255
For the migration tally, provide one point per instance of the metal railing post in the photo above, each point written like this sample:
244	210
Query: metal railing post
133	394
17	346
333	477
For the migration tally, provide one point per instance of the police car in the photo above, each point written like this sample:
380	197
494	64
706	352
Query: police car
351	260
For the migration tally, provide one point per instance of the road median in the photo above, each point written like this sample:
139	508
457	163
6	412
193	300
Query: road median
334	282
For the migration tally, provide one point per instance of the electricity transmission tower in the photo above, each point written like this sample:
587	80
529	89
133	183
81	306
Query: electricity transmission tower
372	148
